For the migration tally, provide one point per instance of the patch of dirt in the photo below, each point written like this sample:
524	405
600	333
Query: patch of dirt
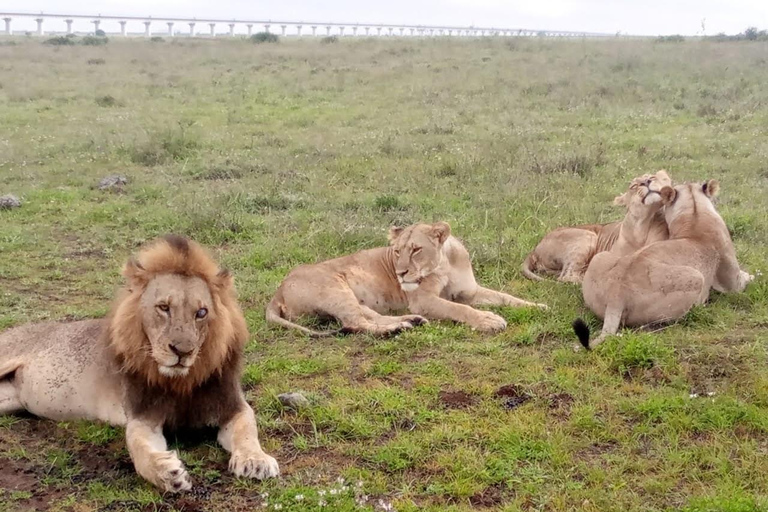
489	497
457	399
654	375
23	476
512	395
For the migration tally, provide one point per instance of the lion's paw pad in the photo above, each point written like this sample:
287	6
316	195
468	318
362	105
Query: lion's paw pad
490	322
258	465
171	475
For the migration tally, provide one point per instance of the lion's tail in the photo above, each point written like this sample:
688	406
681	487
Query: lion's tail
529	265
275	315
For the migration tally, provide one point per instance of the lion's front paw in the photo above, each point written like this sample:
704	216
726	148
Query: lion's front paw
488	322
257	465
169	473
542	307
415	320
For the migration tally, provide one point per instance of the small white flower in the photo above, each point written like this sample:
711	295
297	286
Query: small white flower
278	506
359	483
693	395
321	493
264	495
299	497
340	480
334	491
321	503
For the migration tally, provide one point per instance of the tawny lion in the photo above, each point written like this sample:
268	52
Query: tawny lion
662	281
567	251
169	355
424	270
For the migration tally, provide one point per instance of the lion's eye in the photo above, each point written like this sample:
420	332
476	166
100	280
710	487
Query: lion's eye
201	313
416	250
164	308
397	253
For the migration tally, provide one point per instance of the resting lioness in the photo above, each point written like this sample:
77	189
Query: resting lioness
567	251
662	281
424	270
169	355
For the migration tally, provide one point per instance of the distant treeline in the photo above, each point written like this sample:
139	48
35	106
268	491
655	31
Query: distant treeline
750	34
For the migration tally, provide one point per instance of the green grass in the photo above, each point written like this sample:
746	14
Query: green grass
280	154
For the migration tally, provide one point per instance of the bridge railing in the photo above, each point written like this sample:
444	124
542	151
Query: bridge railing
316	28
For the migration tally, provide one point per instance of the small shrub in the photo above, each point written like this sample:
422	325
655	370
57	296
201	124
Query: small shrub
95	41
100	33
107	101
96	62
172	145
330	39
264	37
60	41
387	203
670	39
157	39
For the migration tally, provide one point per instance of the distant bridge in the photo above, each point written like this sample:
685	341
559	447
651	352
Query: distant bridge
316	28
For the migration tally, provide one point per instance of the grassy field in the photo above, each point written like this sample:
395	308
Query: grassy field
279	154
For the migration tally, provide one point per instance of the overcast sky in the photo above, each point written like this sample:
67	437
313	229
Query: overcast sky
642	17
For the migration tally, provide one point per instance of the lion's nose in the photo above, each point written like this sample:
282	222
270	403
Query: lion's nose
180	350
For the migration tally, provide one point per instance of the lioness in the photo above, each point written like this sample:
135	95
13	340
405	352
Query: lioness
568	251
424	270
169	355
663	280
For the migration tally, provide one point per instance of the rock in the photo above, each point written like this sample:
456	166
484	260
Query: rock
10	201
295	401
113	182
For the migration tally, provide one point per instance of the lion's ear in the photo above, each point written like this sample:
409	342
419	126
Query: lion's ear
135	275
441	231
711	188
224	280
394	233
668	195
620	200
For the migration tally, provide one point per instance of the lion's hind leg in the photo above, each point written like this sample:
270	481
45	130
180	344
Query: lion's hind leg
9	398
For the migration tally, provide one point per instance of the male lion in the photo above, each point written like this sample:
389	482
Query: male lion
169	355
663	280
424	270
567	251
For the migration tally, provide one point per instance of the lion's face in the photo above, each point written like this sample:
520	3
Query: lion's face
175	313
690	198
417	251
644	195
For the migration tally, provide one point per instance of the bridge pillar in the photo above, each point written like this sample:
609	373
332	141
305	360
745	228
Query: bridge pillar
389	30
378	31
212	26
122	28
412	32
282	29
298	30
367	30
314	30
401	29
69	26
328	30
147	29
266	29
192	29
354	31
341	31
170	28
96	24
39	26
250	29
442	32
231	30
7	26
